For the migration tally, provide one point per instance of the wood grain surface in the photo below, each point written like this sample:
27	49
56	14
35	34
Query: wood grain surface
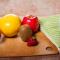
16	47
34	7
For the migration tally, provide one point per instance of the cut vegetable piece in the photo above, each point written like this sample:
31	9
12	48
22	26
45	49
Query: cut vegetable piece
2	38
32	42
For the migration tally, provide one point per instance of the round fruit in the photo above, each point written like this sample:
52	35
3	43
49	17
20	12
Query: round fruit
32	21
10	25
25	32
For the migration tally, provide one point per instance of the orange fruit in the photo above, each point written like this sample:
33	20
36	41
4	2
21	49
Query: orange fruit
10	24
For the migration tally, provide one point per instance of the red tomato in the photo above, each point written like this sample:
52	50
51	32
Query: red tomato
32	21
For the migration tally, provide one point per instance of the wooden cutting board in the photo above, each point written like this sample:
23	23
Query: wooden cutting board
16	47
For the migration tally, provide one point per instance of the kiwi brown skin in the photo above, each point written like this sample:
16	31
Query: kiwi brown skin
25	32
